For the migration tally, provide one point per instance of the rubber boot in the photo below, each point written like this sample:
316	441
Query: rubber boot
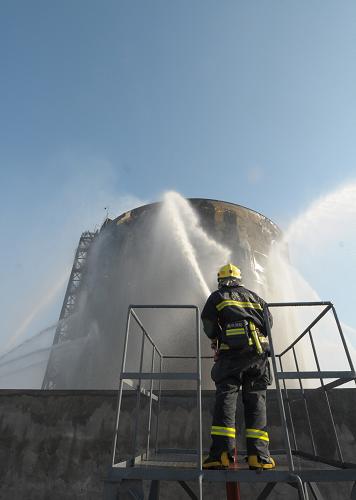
255	462
222	462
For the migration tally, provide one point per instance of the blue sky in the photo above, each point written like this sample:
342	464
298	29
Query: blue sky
111	103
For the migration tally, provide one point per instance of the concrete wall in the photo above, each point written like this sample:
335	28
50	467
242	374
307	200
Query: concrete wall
56	444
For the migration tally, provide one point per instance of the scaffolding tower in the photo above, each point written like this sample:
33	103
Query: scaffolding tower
296	467
70	301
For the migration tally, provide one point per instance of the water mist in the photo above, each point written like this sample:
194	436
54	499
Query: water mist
169	253
313	240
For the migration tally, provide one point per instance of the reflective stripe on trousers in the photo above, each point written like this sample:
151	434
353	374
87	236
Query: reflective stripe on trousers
257	434
217	430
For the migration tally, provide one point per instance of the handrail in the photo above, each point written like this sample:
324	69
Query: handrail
292	475
300	304
160	375
340	376
313	323
144	331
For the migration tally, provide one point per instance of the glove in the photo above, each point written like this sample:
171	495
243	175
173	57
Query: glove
214	346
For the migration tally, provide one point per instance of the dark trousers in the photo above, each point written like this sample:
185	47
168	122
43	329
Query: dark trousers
230	372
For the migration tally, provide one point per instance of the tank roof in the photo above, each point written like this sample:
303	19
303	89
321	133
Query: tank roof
129	213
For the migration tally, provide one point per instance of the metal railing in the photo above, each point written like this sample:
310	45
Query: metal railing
128	378
341	377
295	474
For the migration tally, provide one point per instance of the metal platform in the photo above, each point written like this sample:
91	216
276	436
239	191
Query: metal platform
180	460
300	469
182	467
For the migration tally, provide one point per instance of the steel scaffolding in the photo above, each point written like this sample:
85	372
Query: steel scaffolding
70	300
296	467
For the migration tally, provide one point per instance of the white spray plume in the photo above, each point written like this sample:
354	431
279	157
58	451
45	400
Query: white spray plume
322	241
86	190
179	239
187	231
330	217
45	300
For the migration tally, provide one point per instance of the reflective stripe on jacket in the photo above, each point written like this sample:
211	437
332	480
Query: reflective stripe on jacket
229	304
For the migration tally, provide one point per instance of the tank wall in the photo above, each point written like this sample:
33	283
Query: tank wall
247	233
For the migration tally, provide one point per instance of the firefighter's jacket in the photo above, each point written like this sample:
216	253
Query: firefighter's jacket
229	305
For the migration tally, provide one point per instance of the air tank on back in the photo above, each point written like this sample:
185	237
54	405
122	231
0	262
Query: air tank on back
161	253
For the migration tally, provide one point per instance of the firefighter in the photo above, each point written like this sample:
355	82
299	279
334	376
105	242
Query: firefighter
233	320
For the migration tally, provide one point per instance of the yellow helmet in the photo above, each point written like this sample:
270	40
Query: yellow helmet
229	271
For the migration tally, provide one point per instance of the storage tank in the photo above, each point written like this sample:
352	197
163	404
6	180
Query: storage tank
161	253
